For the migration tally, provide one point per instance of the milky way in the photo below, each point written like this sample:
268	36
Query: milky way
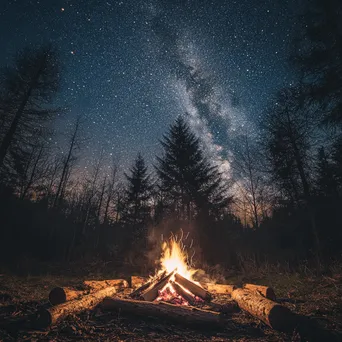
131	67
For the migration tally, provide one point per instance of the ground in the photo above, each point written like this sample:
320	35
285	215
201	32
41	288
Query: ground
319	298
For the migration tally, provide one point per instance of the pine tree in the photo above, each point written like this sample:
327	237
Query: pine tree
318	56
326	182
192	185
137	194
27	90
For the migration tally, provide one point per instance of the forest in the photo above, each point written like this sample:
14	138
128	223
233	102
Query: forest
281	205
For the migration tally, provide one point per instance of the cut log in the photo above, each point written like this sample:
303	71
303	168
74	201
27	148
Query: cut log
152	292
187	296
274	315
60	295
96	285
188	316
263	290
51	316
192	287
220	288
137	293
137	281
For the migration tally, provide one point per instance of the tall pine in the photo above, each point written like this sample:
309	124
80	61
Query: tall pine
192	185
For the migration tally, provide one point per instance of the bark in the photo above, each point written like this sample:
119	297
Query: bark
185	315
96	285
265	291
274	315
60	295
137	281
51	316
152	292
192	287
220	288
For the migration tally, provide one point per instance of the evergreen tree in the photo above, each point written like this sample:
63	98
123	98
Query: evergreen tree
137	194
318	56
27	89
191	183
326	182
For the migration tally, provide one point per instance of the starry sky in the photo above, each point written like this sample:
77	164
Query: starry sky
131	67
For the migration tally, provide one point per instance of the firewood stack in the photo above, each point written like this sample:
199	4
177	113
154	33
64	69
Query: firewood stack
147	299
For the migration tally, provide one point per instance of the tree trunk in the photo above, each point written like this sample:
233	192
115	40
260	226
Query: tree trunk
274	315
188	316
51	316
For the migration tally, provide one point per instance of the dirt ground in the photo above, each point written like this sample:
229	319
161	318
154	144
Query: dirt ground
319	299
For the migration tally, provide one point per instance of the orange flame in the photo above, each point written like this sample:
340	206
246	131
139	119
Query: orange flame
174	257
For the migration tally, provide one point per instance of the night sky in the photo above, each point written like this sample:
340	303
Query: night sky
131	67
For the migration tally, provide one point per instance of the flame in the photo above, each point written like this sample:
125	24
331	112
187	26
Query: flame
174	257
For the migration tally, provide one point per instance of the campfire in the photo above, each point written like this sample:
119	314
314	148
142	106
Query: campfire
174	282
171	294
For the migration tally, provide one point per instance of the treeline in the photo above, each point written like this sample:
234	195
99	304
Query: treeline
281	205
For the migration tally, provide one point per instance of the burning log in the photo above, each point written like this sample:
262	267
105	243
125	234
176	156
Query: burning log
96	285
220	288
59	295
189	316
46	317
137	281
152	292
265	291
192	287
137	293
274	315
187	296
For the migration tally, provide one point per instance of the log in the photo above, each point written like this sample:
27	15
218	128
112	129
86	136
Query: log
186	315
137	293
273	314
187	296
152	292
265	291
192	287
51	316
220	288
137	281
96	285
59	295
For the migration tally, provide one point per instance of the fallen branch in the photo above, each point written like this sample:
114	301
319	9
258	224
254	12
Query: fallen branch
46	317
188	316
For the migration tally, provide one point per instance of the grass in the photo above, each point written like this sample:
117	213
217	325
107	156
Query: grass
306	294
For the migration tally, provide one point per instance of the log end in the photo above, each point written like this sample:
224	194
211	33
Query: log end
43	319
282	319
57	296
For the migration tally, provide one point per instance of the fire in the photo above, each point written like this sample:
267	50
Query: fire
174	257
